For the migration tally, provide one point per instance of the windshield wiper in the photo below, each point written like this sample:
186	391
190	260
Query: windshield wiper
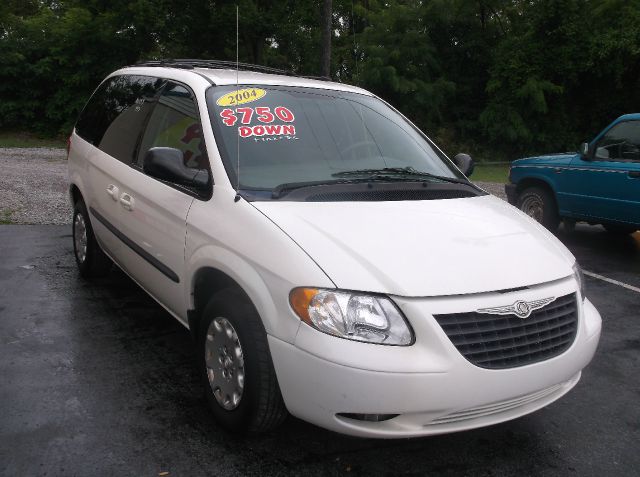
395	172
284	189
366	175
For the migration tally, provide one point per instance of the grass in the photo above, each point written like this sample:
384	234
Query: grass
26	139
5	216
491	173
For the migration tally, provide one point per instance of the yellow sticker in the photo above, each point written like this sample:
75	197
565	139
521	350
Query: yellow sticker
241	96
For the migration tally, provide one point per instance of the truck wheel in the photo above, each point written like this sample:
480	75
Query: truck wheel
91	260
569	225
236	367
540	204
619	229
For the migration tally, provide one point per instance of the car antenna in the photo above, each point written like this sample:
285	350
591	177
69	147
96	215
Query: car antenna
355	47
237	197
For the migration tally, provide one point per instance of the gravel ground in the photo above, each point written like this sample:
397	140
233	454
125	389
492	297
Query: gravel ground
494	188
33	186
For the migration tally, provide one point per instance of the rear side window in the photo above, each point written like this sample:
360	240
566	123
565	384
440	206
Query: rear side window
116	113
175	122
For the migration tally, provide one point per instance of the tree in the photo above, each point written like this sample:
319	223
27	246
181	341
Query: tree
505	77
400	62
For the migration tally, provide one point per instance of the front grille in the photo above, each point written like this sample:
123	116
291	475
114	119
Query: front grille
506	341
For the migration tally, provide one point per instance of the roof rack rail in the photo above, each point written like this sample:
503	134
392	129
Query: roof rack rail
191	63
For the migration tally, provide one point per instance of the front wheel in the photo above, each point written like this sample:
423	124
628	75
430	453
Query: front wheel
539	204
236	367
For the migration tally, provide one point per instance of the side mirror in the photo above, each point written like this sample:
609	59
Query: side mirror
166	163
464	163
585	151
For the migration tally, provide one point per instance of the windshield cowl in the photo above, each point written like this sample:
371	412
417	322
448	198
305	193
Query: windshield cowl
403	173
358	190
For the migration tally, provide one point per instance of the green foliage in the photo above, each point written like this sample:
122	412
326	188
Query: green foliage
5	216
564	70
496	78
400	62
53	58
22	139
491	173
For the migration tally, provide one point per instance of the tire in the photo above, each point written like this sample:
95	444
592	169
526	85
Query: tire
569	226
251	403
619	229
91	260
539	204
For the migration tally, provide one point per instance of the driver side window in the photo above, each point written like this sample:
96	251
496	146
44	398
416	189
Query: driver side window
175	123
620	143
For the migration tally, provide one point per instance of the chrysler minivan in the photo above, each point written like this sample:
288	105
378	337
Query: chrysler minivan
329	259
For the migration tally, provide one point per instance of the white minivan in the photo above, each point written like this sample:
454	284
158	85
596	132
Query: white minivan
330	261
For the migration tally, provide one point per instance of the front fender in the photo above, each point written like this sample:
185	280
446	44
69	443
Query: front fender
247	277
521	175
265	262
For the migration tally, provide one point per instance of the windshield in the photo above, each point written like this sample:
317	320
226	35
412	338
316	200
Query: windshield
290	135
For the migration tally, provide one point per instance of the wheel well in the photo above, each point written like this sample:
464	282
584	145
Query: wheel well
208	282
75	193
526	183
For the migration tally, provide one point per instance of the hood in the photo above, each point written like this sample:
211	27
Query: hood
557	159
423	248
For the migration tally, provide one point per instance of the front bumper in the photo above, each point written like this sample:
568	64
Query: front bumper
512	195
431	387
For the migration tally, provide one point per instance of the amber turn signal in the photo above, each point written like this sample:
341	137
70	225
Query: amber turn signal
300	298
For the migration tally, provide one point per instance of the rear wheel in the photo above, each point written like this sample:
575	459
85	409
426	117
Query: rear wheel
236	367
619	229
539	204
91	260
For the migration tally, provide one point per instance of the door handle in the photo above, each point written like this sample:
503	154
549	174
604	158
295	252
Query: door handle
112	191
634	174
127	201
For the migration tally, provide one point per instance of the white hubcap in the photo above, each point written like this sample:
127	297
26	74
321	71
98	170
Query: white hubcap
225	363
80	237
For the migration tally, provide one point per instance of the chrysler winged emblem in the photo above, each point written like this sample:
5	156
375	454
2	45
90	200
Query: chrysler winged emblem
522	309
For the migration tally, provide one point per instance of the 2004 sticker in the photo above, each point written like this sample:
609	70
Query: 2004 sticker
241	96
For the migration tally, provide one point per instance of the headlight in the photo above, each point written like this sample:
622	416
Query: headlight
352	315
577	272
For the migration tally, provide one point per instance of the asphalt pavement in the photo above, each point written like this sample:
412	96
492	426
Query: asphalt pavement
97	379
